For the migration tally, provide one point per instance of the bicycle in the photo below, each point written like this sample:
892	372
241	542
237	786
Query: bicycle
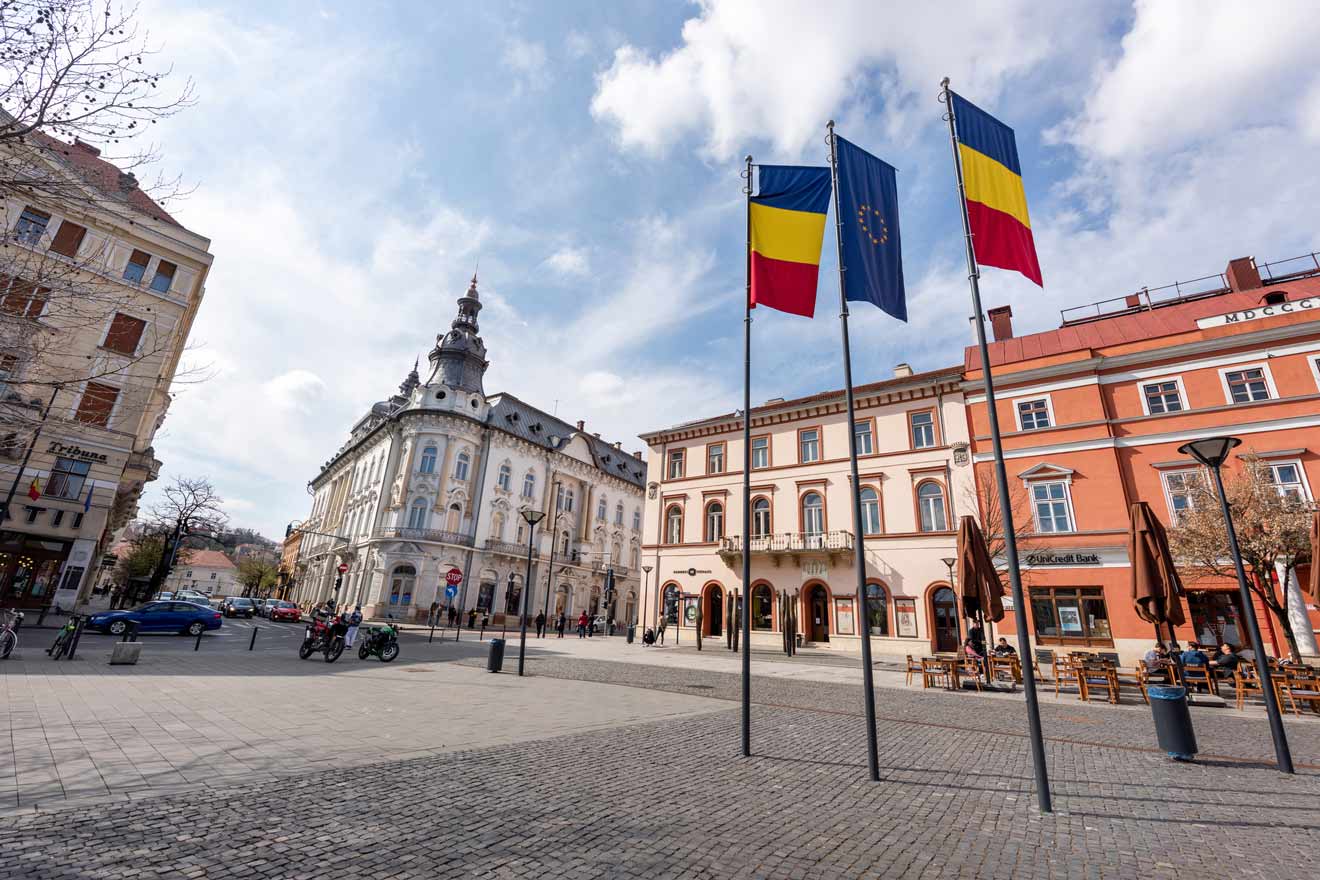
64	638
8	636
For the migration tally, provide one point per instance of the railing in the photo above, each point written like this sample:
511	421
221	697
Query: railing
1306	264
509	548
430	535
791	542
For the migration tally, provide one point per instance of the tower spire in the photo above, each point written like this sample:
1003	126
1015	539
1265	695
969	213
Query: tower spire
459	356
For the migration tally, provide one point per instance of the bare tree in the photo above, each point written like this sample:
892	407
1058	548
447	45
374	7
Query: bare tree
1273	528
985	497
189	507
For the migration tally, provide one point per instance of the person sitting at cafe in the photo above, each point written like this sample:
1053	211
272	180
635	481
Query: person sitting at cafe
1225	661
1156	656
1003	648
1194	656
970	652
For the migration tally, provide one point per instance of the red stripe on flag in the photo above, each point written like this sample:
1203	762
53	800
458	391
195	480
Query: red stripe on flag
783	285
1003	242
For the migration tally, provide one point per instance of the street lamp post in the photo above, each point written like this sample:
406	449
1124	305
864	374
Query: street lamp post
949	563
532	516
550	569
1212	452
646	582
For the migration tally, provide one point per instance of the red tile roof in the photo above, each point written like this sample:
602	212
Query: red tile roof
86	161
205	559
1165	320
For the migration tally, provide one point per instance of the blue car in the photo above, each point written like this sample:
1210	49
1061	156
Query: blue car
185	618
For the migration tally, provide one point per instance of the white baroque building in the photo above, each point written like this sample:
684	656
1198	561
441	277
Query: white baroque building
435	479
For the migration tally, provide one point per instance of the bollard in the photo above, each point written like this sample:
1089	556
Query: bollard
482	636
458	628
197	645
41	618
431	638
77	634
133	628
252	644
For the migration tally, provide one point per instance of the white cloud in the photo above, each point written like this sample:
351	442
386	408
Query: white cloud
528	61
570	261
294	390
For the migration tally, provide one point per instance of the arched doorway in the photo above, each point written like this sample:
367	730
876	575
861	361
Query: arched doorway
818	613
630	608
669	605
944	619
561	600
714	610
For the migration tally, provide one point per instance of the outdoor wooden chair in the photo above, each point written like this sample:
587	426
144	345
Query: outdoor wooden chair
1300	685
1043	655
1066	674
935	673
1197	675
972	669
1245	683
1007	669
1138	678
914	668
1100	677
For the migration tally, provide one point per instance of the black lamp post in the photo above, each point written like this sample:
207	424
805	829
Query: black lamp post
646	582
1212	452
532	517
949	562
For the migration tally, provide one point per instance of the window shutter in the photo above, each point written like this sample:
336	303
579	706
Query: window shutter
124	334
98	401
68	239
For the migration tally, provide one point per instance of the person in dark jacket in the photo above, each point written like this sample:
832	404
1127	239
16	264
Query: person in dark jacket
561	624
540	624
1226	660
1194	656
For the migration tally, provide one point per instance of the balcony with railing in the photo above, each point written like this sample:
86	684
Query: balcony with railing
790	543
443	537
509	548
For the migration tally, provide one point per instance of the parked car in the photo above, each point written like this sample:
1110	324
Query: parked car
281	610
239	606
164	596
192	596
265	605
180	617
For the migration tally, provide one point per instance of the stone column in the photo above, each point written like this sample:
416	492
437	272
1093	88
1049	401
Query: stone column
1297	614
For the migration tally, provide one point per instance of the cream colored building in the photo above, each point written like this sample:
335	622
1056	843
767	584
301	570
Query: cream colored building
434	479
204	571
916	480
99	291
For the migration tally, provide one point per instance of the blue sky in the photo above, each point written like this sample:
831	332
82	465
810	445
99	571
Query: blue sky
353	162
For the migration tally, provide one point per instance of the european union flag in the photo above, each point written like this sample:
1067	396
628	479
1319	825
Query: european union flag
872	253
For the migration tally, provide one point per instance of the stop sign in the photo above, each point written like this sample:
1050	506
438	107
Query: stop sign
343	567
453	577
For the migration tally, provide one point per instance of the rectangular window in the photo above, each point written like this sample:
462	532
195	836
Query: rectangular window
124	334
1180	488
25	300
164	277
56	518
98	402
865	442
715	459
136	269
68	238
1245	386
8	370
675	469
31	225
1071	616
760	452
808	446
1162	397
1049	501
67	479
923	430
32	512
77	520
1287	480
1033	414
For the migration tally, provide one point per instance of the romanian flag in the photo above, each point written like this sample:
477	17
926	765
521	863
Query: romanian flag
996	202
34	491
787	222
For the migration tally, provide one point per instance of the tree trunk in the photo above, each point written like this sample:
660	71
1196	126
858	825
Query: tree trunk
1265	589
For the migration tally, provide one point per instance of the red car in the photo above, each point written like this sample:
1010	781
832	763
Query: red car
285	611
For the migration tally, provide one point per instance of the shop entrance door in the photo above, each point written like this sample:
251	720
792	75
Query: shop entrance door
944	609
818	626
29	570
1217	618
715	611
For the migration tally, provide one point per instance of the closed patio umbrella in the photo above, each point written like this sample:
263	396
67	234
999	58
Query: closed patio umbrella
1315	563
979	586
1157	590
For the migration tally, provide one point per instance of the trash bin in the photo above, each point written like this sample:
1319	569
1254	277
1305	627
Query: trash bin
495	659
1173	721
632	632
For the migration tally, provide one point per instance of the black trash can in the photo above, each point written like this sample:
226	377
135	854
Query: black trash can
1173	721
495	659
632	632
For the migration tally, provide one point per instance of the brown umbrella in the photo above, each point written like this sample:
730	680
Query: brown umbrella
1156	588
1315	563
978	583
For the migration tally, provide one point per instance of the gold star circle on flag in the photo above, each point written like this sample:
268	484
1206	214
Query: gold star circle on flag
868	217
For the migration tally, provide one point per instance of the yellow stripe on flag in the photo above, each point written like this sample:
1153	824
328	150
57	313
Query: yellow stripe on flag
794	236
993	185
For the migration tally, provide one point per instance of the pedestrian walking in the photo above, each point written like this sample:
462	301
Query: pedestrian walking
354	621
582	625
561	624
453	615
434	616
540	624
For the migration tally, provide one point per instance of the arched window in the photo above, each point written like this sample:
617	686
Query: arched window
454	518
513	595
930	505
615	553
417	514
813	514
505	479
637	520
497	527
760	517
563	543
401	585
427	465
636	557
762	607
877	607
618	514
870	511
566	497
674	525
529	486
671	595
714	521
601	508
461	465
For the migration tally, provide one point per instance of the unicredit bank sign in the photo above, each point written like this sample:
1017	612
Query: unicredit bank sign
1310	304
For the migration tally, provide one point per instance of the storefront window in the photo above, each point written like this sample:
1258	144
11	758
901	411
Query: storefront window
1063	616
762	603
671	604
1216	617
877	610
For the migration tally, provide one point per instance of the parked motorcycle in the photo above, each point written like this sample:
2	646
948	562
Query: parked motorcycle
325	635
382	641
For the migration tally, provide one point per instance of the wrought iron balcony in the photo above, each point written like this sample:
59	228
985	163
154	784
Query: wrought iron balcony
838	541
509	548
430	535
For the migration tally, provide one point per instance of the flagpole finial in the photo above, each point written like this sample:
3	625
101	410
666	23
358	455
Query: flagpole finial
944	83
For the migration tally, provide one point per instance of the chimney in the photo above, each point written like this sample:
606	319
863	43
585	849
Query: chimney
127	181
1001	322
902	371
85	147
581	425
596	435
618	444
1242	274
638	455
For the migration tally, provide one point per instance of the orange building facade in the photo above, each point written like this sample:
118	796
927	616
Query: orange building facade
1092	416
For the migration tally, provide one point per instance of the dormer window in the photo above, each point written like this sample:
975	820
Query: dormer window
1274	298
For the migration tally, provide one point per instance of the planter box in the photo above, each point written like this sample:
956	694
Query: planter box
125	653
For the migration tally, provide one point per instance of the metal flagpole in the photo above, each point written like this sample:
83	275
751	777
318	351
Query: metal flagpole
1001	479
747	485
859	545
